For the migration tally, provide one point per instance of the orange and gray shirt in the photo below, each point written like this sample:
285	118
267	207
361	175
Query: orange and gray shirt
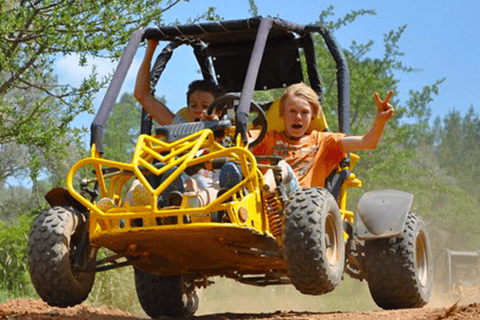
312	158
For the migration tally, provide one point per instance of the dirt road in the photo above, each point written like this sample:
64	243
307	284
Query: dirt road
25	309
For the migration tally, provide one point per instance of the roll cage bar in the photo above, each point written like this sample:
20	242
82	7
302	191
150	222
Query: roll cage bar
242	56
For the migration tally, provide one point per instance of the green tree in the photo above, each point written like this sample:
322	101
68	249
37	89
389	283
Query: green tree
431	163
367	75
14	161
122	129
457	146
34	109
253	8
15	200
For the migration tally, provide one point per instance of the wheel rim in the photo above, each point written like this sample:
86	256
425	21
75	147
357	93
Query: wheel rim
190	297
422	259
331	240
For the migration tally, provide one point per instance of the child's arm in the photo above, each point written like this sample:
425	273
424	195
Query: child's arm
372	138
142	93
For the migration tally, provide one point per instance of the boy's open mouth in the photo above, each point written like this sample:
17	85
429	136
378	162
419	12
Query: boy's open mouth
297	126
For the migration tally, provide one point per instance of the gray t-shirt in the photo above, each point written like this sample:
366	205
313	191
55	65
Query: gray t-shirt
179	119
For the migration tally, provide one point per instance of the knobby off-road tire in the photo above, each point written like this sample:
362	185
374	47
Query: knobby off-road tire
165	296
400	270
53	240
313	241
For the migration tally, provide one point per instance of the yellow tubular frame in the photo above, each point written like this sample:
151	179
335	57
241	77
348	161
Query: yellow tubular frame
351	182
181	155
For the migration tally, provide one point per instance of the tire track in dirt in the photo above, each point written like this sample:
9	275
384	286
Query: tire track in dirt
29	309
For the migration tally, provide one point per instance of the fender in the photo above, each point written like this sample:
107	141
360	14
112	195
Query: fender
61	197
382	214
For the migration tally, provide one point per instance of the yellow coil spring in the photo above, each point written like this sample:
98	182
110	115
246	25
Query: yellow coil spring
273	209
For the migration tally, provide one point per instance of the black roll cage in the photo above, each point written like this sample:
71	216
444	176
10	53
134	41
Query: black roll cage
251	37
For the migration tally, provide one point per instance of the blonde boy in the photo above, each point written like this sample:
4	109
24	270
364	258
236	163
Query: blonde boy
313	156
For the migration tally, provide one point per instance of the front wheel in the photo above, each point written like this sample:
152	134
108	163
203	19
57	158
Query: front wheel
313	241
166	296
53	240
400	270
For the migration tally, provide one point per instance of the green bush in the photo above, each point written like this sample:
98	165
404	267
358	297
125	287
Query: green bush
14	274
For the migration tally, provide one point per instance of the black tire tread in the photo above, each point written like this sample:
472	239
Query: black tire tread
163	296
390	265
50	264
304	249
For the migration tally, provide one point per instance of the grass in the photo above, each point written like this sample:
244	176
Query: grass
115	288
230	296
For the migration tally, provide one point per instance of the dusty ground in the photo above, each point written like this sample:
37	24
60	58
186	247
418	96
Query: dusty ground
25	309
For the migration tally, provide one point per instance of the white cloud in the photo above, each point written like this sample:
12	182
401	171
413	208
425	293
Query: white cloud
70	72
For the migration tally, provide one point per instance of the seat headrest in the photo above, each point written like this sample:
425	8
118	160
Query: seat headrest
277	123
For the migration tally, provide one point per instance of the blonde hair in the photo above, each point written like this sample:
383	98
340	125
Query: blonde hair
302	91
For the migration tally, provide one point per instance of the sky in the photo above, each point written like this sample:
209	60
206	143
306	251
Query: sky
442	39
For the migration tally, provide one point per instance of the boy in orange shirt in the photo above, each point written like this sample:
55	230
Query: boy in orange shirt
313	156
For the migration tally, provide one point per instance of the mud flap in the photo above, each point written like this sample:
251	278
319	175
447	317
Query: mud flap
59	196
382	214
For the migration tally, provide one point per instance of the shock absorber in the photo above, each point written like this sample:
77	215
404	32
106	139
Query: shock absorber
273	208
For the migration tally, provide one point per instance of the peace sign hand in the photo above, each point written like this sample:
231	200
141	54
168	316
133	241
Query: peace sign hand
384	109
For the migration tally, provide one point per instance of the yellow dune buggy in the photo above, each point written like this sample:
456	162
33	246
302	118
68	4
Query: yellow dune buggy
248	233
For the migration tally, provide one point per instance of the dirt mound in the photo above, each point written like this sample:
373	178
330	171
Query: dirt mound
27	309
38	310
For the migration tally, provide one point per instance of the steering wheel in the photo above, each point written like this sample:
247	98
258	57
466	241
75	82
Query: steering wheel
257	117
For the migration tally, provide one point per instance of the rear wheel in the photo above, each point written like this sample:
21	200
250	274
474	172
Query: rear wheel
313	241
400	270
53	240
166	296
